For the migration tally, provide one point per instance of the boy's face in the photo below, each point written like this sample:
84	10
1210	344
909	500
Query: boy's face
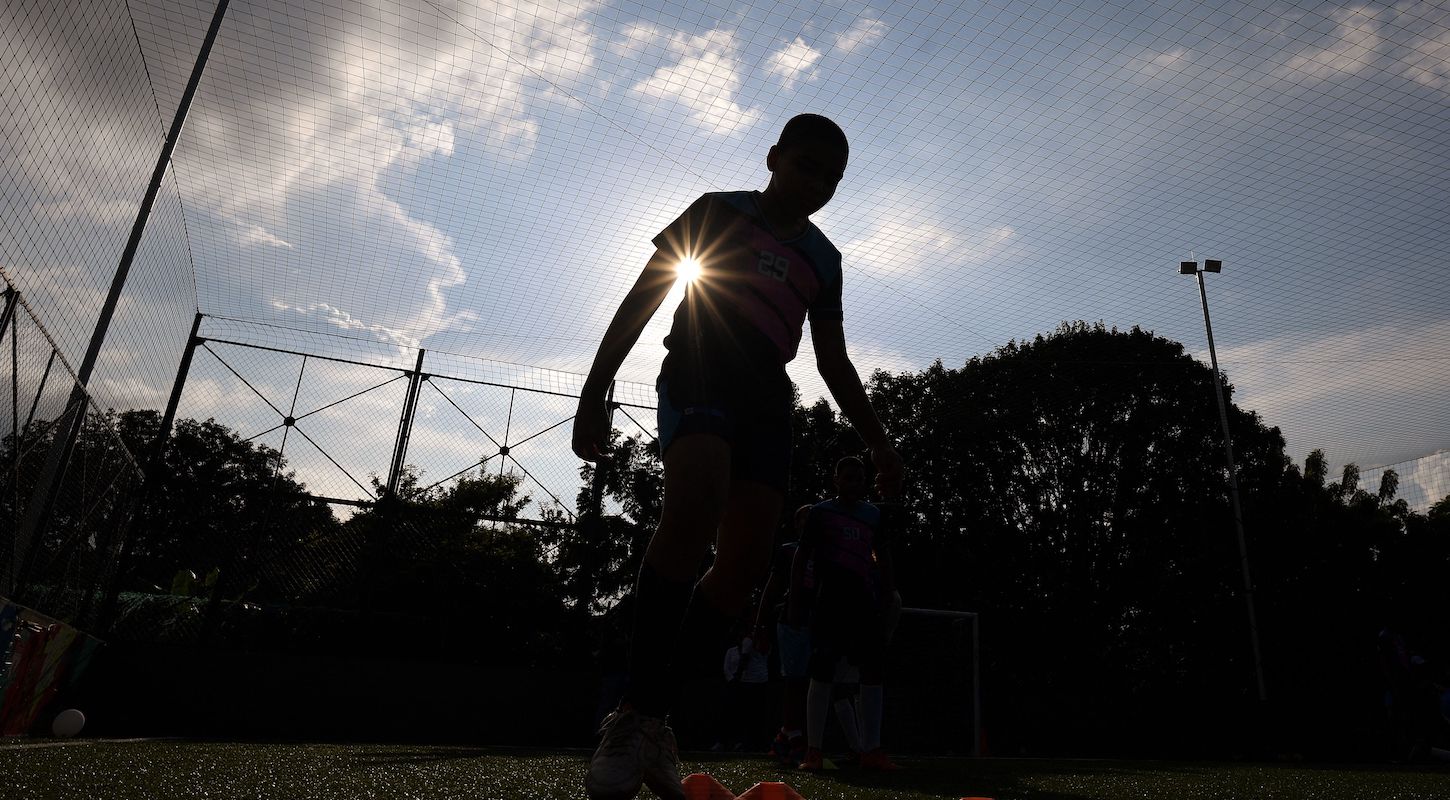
851	481
805	175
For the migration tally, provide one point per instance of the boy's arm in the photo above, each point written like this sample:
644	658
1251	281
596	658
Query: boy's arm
829	340
591	422
769	597
793	610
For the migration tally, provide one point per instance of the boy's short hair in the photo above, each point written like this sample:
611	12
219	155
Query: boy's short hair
812	128
851	461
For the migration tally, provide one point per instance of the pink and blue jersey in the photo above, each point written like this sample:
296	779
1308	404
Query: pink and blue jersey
843	536
742	318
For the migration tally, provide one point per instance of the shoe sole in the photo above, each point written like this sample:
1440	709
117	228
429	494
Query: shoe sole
621	792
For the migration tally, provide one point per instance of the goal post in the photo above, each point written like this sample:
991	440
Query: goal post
934	690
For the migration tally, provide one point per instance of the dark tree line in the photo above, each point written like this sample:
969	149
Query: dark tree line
1071	489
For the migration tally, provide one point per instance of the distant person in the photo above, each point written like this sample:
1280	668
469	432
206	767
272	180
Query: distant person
747	678
724	420
844	551
792	645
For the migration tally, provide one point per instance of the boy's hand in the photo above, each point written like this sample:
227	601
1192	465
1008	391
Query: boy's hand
889	470
591	429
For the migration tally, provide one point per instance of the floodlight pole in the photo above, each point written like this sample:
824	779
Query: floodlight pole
1233	482
42	501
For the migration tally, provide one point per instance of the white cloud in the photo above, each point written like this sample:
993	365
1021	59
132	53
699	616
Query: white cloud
257	235
706	80
896	247
864	32
377	99
636	39
1352	48
793	62
1428	62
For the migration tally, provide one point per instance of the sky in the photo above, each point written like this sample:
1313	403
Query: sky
482	180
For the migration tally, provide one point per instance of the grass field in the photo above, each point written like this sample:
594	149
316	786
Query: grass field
170	769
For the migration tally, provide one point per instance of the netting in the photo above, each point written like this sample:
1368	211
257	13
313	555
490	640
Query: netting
361	183
486	180
65	562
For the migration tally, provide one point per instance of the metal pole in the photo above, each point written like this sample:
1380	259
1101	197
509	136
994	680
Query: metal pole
7	544
405	426
163	431
151	470
976	688
12	297
1233	491
37	514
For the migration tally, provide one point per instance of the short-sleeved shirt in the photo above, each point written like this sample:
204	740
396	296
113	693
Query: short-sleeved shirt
843	537
741	320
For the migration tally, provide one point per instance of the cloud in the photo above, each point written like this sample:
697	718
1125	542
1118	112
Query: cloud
259	235
896	247
1428	62
1351	49
864	32
793	62
636	39
706	79
321	158
1373	395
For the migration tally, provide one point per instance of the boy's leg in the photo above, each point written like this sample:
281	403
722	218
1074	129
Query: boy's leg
697	482
742	555
637	746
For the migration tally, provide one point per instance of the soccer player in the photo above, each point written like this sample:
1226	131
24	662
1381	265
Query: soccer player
724	420
793	645
845	549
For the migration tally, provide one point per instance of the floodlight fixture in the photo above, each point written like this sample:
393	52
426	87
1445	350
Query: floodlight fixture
1187	267
1212	265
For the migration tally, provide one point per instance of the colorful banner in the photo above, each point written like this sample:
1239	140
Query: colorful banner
39	657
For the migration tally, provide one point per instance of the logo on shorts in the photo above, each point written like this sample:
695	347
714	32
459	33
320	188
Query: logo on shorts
774	265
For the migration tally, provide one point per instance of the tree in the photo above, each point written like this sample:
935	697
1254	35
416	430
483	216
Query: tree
1072	489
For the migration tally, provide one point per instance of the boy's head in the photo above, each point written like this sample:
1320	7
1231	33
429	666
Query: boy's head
851	478
807	163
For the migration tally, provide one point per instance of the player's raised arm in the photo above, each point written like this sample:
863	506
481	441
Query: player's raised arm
591	421
829	340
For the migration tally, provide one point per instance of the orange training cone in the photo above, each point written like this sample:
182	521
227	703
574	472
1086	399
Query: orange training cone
770	790
701	786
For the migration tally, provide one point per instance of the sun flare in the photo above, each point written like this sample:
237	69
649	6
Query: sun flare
688	269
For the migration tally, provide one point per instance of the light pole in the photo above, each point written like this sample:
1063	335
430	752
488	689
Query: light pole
1214	265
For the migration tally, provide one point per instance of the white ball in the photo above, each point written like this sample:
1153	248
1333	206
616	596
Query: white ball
68	723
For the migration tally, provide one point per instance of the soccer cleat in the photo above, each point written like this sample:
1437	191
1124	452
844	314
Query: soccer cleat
813	761
788	750
877	760
659	759
615	772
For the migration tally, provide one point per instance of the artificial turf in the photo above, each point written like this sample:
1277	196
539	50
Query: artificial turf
176	769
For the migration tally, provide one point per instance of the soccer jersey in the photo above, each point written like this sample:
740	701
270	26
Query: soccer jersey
741	320
843	536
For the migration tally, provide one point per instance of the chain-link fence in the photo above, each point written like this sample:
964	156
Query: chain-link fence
62	536
306	497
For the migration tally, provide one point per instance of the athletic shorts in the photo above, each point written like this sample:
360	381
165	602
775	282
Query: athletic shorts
847	624
758	432
794	645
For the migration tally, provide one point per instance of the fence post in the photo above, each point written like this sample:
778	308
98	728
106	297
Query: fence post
47	488
151	469
405	426
7	543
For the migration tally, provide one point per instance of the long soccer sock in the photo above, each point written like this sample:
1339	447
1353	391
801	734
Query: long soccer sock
846	715
659	607
873	698
704	636
818	707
